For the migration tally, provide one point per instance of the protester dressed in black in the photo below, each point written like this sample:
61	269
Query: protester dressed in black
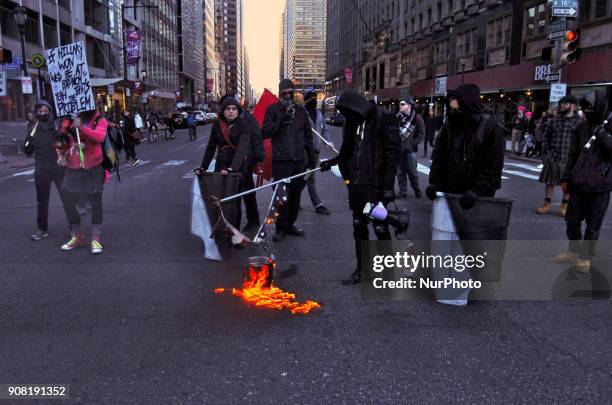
229	138
588	179
286	124
40	142
368	159
468	157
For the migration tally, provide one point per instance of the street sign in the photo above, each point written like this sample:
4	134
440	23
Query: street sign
38	61
26	85
565	8
440	87
14	65
111	89
552	78
2	84
127	92
557	92
557	25
556	35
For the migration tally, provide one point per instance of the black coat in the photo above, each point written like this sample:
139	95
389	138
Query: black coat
290	141
384	145
129	127
601	149
40	143
463	161
232	156
256	149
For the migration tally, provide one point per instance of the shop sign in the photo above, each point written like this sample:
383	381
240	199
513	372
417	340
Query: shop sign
542	71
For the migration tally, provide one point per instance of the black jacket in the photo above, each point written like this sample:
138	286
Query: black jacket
601	150
129	127
232	156
256	149
40	143
290	141
381	142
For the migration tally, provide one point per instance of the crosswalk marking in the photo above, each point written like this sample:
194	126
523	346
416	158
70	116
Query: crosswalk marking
521	174
525	166
174	162
26	173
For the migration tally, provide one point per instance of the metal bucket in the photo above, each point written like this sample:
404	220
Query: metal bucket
258	267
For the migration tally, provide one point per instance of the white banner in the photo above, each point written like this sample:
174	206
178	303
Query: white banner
70	82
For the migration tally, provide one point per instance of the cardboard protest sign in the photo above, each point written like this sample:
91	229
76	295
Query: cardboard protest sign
70	80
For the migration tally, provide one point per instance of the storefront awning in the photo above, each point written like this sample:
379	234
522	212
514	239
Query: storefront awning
160	93
103	82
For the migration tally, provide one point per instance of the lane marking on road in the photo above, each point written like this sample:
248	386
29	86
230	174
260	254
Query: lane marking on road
26	173
524	166
175	162
521	174
423	169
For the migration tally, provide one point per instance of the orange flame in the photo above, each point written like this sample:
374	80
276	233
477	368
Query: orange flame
254	291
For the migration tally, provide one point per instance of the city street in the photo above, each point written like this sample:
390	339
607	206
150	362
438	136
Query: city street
141	323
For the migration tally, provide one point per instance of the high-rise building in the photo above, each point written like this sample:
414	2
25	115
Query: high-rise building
304	51
191	50
281	45
229	29
211	60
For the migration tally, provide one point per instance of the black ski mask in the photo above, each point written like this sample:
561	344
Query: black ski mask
43	117
594	107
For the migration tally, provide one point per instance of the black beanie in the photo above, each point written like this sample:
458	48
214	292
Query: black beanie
227	101
285	84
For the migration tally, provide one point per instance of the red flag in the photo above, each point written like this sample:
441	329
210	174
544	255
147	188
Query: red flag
266	100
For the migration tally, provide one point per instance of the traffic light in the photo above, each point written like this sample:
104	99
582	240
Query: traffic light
6	56
570	52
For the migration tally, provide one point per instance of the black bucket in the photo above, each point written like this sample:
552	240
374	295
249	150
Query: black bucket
258	267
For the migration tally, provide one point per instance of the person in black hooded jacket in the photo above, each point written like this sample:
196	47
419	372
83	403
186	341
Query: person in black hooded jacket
468	157
286	124
40	142
229	137
588	179
370	152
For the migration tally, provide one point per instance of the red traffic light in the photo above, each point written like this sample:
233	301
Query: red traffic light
571	35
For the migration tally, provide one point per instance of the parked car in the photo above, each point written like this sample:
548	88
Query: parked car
335	119
199	117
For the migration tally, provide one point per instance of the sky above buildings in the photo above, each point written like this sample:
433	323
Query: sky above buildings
262	21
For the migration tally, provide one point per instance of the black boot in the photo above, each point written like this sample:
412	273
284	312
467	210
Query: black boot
354	279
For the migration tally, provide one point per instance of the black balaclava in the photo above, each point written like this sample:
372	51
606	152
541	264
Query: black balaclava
286	84
44	118
595	107
470	107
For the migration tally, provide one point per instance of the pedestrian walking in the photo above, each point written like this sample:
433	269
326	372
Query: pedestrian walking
587	179
131	137
30	120
40	142
432	125
152	120
286	124
412	132
85	175
556	144
528	142
138	123
468	157
518	128
169	125
540	129
229	138
316	119
368	159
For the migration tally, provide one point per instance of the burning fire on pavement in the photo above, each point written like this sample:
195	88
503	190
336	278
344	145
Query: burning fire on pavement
258	289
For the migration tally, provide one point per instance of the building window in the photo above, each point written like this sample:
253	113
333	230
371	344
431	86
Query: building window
441	52
393	67
535	19
593	9
498	32
466	42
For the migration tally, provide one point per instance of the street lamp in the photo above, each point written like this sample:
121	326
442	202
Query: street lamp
143	77
21	17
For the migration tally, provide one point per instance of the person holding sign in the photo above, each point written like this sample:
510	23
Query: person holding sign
85	175
40	141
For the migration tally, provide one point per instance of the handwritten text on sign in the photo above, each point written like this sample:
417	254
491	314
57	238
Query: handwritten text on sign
70	79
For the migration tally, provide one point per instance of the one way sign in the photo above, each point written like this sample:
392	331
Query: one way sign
565	8
2	83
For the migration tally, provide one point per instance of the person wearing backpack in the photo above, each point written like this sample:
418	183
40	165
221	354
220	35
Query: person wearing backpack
40	142
468	157
191	125
587	179
83	152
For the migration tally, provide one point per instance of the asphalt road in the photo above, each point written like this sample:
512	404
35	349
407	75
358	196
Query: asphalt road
141	324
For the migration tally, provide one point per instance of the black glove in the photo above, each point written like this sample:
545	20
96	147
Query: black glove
431	191
326	165
387	197
468	200
198	171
